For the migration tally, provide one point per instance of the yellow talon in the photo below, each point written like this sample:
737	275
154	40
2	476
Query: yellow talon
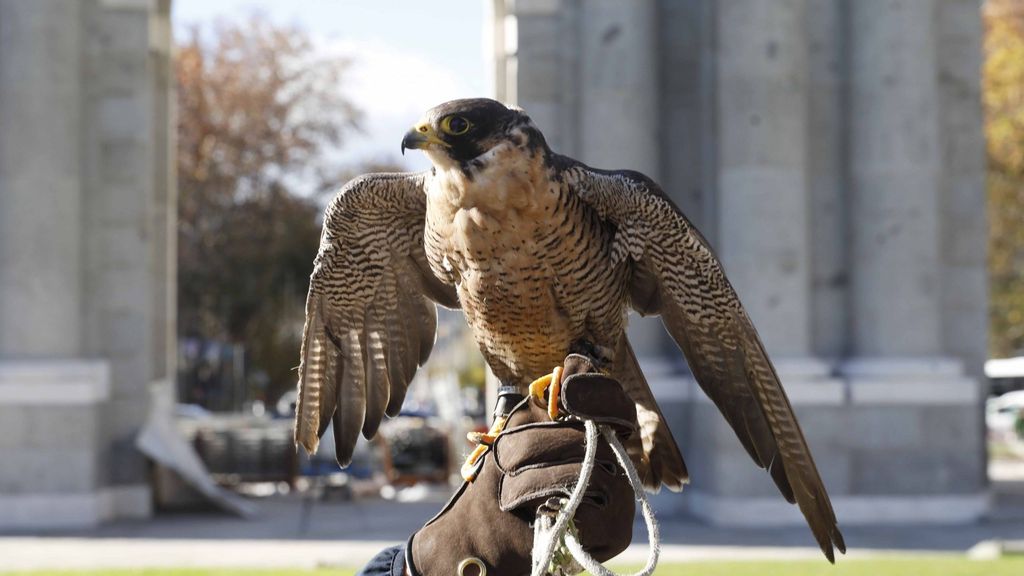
469	469
538	386
553	384
554	392
481	438
483	441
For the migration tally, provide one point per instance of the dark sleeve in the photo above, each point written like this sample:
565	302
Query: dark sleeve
388	562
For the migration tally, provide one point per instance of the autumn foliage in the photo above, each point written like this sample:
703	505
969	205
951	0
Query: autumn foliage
1003	79
259	108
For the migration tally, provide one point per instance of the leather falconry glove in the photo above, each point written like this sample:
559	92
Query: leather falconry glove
486	529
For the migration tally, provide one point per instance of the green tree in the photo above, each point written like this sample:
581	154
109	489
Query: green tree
258	108
1003	95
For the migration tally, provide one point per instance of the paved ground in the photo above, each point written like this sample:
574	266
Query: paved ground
348	533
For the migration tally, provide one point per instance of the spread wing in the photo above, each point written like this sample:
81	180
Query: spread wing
370	313
676	274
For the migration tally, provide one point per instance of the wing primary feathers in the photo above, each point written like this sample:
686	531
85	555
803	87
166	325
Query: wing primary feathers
329	401
409	360
678	274
349	417
397	350
396	374
778	474
662	462
316	398
377	384
807	486
370	316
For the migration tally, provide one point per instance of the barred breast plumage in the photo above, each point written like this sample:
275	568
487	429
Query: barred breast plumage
531	262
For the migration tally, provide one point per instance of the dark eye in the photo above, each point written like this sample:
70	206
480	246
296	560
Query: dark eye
455	125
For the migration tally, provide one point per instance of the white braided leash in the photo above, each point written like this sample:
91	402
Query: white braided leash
551	538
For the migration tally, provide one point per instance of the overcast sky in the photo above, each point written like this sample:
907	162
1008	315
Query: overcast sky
408	55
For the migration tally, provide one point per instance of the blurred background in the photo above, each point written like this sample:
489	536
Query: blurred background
858	166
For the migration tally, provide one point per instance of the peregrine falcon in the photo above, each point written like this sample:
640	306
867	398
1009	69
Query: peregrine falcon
545	256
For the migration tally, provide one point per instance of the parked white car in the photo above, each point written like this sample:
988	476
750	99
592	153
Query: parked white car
1001	413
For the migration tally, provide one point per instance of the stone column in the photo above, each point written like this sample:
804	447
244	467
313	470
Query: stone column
830	277
40	184
764	235
894	169
688	166
532	47
618	106
762	158
965	276
912	411
766	127
125	227
49	396
619	103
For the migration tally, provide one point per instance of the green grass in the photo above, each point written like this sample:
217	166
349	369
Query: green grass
895	567
953	566
183	572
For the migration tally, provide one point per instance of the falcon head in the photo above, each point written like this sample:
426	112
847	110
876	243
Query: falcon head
461	130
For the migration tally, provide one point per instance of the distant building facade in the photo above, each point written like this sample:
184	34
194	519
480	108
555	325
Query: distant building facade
87	264
832	152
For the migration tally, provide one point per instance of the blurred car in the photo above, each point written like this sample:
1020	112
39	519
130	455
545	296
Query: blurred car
285	407
1002	412
1005	374
191	412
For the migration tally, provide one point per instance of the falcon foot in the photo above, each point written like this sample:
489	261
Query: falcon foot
552	384
508	400
483	443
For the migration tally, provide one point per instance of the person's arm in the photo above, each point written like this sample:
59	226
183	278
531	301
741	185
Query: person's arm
487	525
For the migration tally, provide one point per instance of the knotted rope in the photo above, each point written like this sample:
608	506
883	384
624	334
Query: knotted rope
553	538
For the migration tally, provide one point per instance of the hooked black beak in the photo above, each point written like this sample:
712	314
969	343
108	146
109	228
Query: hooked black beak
414	140
420	137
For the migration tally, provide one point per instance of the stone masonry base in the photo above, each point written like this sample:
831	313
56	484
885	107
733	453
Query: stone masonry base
895	441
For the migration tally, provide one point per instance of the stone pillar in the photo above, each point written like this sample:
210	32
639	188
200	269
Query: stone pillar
530	68
49	396
894	169
962	217
826	155
764	240
763	192
40	194
86	254
900	375
687	109
618	106
125	226
965	288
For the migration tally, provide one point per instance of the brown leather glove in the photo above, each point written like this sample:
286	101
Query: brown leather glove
489	521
